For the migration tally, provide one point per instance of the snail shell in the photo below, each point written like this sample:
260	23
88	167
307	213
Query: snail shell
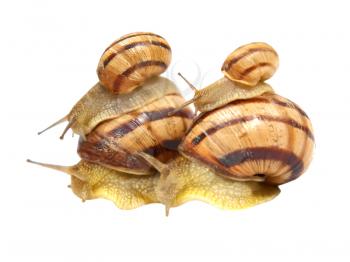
115	143
251	63
267	136
131	60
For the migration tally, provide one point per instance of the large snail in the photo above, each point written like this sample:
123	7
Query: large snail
263	137
233	155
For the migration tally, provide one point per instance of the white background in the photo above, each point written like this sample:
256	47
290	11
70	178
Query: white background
48	57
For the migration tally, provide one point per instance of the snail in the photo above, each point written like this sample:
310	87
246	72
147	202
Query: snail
133	63
245	71
264	138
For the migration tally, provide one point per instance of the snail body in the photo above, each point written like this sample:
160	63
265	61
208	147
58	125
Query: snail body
91	181
224	91
188	181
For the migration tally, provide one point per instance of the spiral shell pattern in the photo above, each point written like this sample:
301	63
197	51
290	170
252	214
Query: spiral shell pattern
268	136
251	64
131	60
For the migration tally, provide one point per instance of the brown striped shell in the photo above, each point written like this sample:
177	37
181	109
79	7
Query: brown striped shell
251	64
131	60
115	143
266	137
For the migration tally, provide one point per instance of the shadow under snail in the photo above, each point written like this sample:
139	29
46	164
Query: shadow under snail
246	141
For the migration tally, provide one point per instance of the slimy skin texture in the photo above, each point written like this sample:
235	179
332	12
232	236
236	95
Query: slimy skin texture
182	181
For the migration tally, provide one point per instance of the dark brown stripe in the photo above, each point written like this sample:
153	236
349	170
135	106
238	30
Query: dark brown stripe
252	68
234	60
146	117
132	69
290	105
118	81
245	119
238	157
260	99
131	35
132	45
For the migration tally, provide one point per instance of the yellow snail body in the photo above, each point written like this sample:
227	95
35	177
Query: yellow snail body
90	181
189	181
244	70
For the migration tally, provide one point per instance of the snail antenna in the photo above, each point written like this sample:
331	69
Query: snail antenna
173	112
69	125
167	209
54	124
70	170
196	96
188	82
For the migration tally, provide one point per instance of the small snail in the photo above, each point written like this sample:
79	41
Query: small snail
134	61
244	70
